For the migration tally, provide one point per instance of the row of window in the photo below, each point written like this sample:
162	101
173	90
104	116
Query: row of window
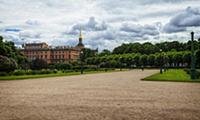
52	56
42	52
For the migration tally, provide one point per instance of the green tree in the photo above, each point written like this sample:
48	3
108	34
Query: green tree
105	52
7	64
87	53
143	60
39	64
198	58
151	60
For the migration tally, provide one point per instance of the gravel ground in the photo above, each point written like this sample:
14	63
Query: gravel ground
104	96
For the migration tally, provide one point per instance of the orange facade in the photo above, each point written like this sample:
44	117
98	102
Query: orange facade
60	54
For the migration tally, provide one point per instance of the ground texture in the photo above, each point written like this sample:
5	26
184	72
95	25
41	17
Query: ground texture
105	96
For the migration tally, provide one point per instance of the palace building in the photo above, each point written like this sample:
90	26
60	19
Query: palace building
57	54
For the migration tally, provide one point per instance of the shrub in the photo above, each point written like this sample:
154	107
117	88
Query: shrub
197	72
46	71
68	71
55	71
3	74
7	64
19	72
28	72
39	64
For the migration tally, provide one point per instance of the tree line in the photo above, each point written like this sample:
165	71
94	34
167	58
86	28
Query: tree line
169	54
168	59
149	48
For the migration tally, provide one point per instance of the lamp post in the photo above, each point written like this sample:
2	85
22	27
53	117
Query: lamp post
192	57
120	60
81	58
161	61
165	61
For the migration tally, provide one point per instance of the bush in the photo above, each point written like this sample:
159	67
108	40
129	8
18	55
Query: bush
46	72
60	66
68	71
7	64
197	72
22	72
39	64
29	72
19	72
3	74
55	71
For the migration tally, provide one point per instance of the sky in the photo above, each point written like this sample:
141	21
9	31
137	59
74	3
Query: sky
105	24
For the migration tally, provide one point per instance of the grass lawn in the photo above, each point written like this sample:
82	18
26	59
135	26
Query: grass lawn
174	75
21	77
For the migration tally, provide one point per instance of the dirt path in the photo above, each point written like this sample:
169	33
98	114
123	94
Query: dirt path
106	96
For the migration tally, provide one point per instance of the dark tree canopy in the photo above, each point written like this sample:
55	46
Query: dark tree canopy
8	50
149	48
7	64
38	64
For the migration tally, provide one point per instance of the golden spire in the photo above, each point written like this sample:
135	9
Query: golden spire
80	37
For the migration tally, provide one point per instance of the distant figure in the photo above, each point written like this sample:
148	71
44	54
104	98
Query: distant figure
142	68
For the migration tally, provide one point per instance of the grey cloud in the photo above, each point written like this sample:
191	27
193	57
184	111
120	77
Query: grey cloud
12	30
30	34
32	22
190	17
91	25
13	38
105	35
162	1
139	30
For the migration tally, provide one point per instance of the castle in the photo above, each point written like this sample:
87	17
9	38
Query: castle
57	54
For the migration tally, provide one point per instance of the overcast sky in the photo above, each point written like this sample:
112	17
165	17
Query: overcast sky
105	23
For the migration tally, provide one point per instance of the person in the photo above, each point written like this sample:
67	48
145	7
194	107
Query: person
142	68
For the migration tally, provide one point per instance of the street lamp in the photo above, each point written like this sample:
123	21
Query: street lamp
193	76
161	61
165	61
120	60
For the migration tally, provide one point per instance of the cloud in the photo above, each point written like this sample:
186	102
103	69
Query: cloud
32	22
30	34
105	23
12	30
190	17
91	25
139	30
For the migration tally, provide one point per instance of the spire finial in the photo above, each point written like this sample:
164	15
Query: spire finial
81	32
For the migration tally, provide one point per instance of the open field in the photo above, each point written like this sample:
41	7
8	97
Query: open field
173	75
104	96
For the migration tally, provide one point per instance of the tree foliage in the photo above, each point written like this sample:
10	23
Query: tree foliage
170	59
7	64
149	48
38	64
9	52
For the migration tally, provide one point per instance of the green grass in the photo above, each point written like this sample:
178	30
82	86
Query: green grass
22	77
173	75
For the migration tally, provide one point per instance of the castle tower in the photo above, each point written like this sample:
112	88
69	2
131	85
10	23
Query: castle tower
80	43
